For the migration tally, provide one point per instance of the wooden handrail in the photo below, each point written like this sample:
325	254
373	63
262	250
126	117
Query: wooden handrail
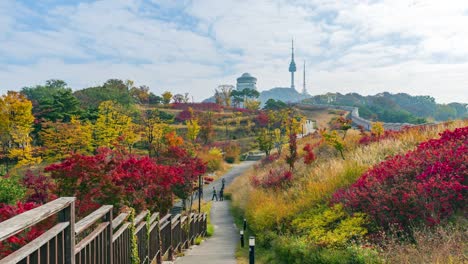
32	246
119	219
92	218
140	217
29	218
154	217
91	237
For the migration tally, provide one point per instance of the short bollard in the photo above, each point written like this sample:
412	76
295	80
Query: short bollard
252	250
242	238
245	224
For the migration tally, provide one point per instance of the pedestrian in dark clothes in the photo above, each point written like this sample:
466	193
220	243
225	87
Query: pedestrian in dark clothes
214	195
221	194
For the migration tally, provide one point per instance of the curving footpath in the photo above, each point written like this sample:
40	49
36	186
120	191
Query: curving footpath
220	248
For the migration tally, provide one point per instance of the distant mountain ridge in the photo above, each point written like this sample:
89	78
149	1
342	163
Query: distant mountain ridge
386	107
399	108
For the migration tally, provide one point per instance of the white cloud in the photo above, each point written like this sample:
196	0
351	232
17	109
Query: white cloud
413	46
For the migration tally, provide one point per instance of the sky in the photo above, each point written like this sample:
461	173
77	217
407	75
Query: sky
418	47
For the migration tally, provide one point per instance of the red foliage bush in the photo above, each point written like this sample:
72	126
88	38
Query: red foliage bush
40	188
184	116
111	177
275	179
15	242
367	138
309	155
189	168
424	186
262	119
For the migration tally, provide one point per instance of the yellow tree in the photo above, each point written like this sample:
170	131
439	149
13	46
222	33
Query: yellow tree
377	129
60	139
112	124
154	130
15	126
279	140
167	96
252	104
193	129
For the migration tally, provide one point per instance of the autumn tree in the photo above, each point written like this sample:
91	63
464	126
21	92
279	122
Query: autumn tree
293	125
140	94
193	129
60	139
279	140
112	124
207	127
154	130
377	129
252	104
167	96
224	93
16	122
265	141
334	140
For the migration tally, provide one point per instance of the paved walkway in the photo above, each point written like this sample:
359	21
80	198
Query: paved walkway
220	248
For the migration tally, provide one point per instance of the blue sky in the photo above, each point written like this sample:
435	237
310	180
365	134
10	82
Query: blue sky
412	46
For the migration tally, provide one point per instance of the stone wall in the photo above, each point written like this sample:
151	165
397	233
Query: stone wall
354	115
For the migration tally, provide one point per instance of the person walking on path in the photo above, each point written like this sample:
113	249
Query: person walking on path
214	195
221	194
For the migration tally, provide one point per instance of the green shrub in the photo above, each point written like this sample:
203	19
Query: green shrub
332	227
198	240
298	250
11	190
230	160
209	230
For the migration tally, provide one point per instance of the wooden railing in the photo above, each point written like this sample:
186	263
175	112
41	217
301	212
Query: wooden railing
99	237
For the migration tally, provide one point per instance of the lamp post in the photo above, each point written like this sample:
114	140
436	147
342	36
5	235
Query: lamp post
242	238
199	193
251	250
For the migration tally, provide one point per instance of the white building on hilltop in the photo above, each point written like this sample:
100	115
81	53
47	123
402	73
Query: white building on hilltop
246	81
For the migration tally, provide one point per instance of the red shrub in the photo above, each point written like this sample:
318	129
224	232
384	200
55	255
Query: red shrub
275	179
309	155
425	185
17	241
184	116
110	177
262	119
40	188
367	138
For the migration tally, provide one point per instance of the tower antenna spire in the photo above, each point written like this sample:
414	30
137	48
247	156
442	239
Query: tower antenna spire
292	65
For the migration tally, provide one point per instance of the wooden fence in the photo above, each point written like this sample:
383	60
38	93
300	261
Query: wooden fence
100	238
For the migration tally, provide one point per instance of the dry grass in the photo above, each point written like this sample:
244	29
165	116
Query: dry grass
440	245
267	209
321	116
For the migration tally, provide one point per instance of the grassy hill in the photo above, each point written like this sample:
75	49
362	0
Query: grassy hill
296	218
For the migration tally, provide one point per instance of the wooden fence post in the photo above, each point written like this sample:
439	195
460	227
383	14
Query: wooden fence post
68	215
171	249
109	237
